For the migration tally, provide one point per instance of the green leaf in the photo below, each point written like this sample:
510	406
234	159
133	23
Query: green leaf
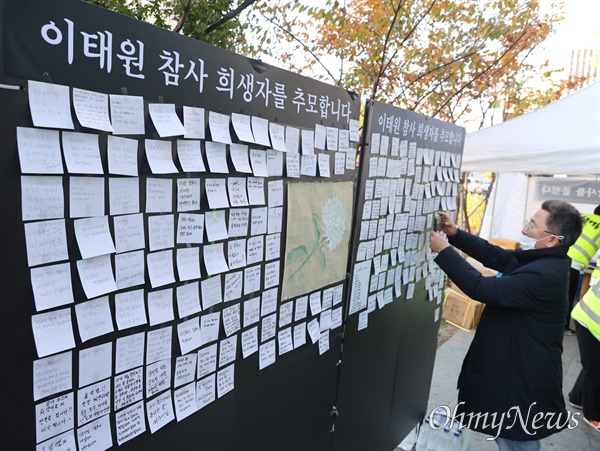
296	253
315	220
323	259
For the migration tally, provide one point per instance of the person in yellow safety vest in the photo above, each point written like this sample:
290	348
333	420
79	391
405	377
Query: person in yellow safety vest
581	254
585	394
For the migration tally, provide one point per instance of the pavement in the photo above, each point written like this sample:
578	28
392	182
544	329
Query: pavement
443	392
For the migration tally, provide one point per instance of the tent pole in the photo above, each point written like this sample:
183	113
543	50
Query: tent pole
495	192
526	199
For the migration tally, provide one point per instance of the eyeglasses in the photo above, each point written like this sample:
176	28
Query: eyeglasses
527	226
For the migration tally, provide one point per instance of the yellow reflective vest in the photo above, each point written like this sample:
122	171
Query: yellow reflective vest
587	244
587	311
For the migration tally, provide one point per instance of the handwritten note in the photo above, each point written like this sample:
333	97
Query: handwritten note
91	109
236	186
130	308
129	352
159	344
52	286
214	259
82	154
269	302
94	318
193	121
252	279
266	355
129	233
95	435
188	299
292	164
128	388
231	320
160	268
189	335
127	114
188	263
190	156
273	246
286	343
209	327
93	236
211	292
332	138
185	401
225	380
239	158
242	127
62	442
207	360
160	306
258	160
233	286
260	130
165	119
274	220
216	193
227	350
159	195
256	191
268	327
255	250
190	228
124	195
292	139
238	222
324	167
299	335
205	391
100	394
42	198
52	375
308	142
216	156
39	151
130	422
86	196
301	308
160	156
249	342
219	127
214	223
50	105
308	166
236	254
160	411
53	332
320	136
188	194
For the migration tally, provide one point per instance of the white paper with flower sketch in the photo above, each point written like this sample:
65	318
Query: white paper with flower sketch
319	216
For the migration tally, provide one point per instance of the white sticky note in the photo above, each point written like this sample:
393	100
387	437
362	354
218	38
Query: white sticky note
252	311
315	303
185	369
86	197
188	194
130	422
242	127
129	232
324	166
189	336
160	268
227	350
160	411
286	343
93	237
205	391
277	134
216	155
160	156
127	114
159	345
42	197
275	189
159	195
256	191
236	254
239	218
190	228
219	127
339	163
161	232
275	219
260	130
39	151
231	320
271	274
165	119
211	292
82	154
320	136
308	142
94	318
258	160
96	276
301	308
216	193
50	105
249	342
236	186
188	299
209	327
354	128
52	286
292	165
53	332
95	435
309	165
190	156
52	375
239	158
214	259
314	330
266	355
124	195
130	309
62	442
332	138
91	109
292	139
275	163
343	140
207	360
233	286
46	242
252	279
193	121
299	335
268	303
160	306
188	263
129	352
225	380
214	223
255	250
259	221
324	342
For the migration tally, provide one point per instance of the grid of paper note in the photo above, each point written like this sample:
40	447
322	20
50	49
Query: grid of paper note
405	186
180	269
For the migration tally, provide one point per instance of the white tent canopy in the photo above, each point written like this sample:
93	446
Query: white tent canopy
560	138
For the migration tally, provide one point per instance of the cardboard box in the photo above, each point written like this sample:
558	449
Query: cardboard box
461	310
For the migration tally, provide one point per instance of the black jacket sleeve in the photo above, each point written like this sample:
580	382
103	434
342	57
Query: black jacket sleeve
490	256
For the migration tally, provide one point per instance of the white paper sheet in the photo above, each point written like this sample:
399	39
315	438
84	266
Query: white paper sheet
91	109
127	114
308	142
332	138
231	321
189	336
275	163
271	275
360	286
252	279
42	197
266	355
275	220
259	221
236	186
130	422
188	263
314	330
52	375
193	121
320	136
190	228
185	401
188	194
50	105
82	154
252	311
209	327
52	331
239	218
39	151
86	197
211	292
188	299
128	388
190	156
62	442
214	223
160	306
207	360
129	352
216	193
205	391
160	156
249	342
219	127
161	232
239	158
258	160
324	166
260	130
277	133
52	286
159	195
94	318
225	380
301	308
227	350
309	165
185	369
160	411
292	139
129	233
46	242
124	195
93	237
159	344
96	276
242	127
299	335
256	191
216	154
233	286
255	250
95	435
214	259
165	119
130	309
292	165
236	254
324	342
286	343
160	268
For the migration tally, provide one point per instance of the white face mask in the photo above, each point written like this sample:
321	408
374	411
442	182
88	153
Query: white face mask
528	243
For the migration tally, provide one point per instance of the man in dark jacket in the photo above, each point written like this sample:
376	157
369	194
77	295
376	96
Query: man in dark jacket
510	385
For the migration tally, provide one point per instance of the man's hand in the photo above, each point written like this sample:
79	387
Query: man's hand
437	243
448	226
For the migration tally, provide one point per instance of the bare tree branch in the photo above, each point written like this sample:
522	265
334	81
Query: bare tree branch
230	15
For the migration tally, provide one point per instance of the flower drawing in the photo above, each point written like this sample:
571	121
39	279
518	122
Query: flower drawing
333	218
